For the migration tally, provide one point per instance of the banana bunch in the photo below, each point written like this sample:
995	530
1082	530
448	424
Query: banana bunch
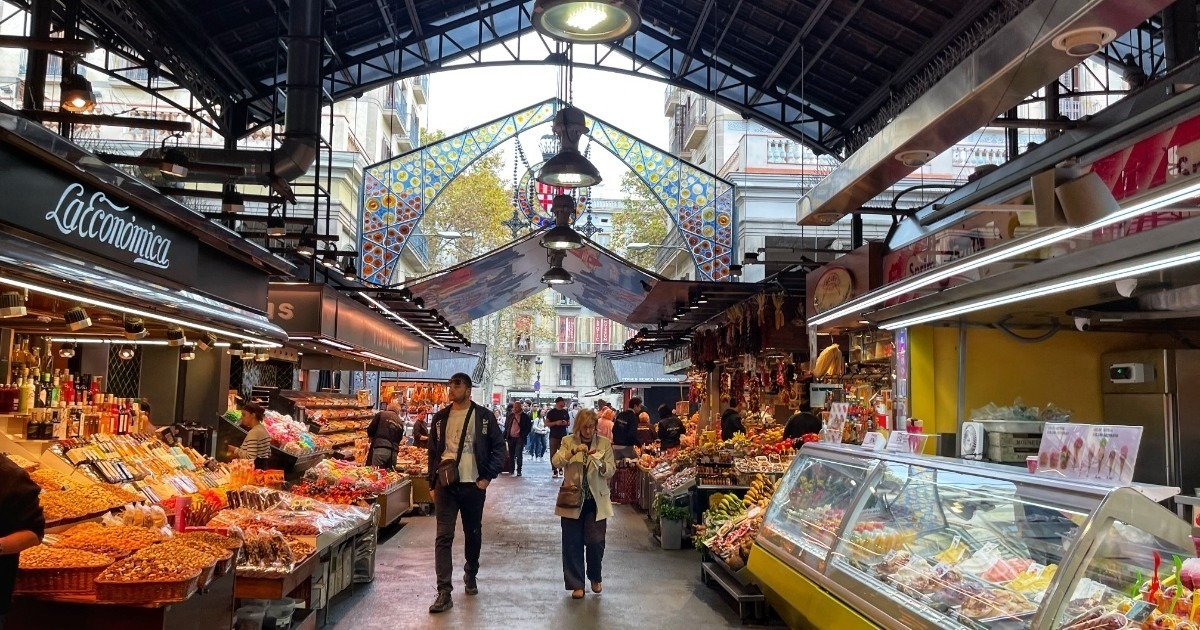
729	507
761	491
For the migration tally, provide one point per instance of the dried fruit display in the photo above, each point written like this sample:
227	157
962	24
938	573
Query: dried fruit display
81	501
50	479
47	557
113	541
227	543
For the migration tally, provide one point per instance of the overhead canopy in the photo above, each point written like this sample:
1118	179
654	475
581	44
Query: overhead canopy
604	282
444	363
633	370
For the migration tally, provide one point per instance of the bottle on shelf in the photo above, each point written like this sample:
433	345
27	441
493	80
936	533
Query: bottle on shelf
26	392
55	392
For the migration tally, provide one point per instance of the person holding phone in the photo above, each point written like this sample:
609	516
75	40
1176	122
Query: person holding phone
588	461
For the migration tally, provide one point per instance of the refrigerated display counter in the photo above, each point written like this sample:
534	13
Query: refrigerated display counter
857	539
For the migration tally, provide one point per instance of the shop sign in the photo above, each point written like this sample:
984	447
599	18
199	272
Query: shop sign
677	359
834	288
51	205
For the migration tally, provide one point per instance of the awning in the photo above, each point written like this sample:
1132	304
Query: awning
336	332
603	283
445	363
68	277
640	370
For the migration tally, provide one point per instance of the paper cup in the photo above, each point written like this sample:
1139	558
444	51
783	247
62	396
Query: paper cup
1031	462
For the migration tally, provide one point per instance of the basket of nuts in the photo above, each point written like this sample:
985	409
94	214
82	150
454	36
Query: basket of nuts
165	572
46	569
117	541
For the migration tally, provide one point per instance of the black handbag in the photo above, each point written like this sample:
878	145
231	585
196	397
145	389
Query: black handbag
447	470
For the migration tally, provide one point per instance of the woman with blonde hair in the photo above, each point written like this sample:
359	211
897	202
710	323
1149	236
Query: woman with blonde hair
583	503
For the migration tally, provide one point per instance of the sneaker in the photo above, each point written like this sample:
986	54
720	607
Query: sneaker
443	603
472	586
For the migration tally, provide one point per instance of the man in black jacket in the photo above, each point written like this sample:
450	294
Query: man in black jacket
386	432
517	428
731	420
21	525
468	437
625	430
670	428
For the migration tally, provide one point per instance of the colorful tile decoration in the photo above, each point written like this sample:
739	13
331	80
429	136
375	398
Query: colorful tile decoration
396	192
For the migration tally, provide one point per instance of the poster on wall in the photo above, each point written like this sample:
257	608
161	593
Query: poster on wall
1091	452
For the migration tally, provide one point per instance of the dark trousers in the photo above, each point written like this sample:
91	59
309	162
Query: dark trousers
555	443
468	499
583	538
516	450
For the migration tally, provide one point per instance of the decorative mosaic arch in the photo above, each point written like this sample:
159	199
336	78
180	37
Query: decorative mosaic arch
396	192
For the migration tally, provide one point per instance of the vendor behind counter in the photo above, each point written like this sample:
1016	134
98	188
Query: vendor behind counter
257	443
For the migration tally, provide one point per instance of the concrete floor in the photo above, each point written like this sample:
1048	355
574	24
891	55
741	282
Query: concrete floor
520	577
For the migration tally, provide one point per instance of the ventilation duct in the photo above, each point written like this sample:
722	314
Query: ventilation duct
302	120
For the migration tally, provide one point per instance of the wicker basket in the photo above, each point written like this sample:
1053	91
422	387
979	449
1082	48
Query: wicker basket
207	575
77	580
145	592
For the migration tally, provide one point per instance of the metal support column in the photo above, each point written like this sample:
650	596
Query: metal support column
856	230
35	69
1179	32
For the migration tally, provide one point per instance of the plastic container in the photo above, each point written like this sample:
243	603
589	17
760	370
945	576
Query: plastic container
282	610
250	618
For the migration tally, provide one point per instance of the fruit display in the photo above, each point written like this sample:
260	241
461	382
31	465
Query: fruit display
345	483
413	460
819	522
679	480
733	540
762	488
760	465
727	507
871	539
47	557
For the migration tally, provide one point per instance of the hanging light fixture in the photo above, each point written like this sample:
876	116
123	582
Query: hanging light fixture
126	352
557	275
262	356
350	269
135	328
569	168
586	22
67	350
232	201
236	348
187	352
75	93
329	259
308	245
176	337
276	227
207	342
174	163
77	319
561	236
248	354
12	304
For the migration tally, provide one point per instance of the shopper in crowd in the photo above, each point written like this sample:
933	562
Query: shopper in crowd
557	420
588	460
670	428
517	429
539	437
604	423
574	411
625	430
257	443
645	432
465	443
386	433
731	420
802	423
420	431
606	411
21	525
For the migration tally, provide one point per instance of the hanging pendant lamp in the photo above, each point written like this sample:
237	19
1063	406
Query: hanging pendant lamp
562	236
586	21
569	168
557	275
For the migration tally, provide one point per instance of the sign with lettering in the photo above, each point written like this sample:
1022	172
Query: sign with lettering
50	204
1105	453
677	359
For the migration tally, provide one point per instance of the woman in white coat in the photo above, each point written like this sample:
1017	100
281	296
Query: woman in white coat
588	461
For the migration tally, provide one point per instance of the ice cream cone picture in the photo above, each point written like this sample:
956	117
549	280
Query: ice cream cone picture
1100	459
1124	459
1078	447
1064	458
1112	460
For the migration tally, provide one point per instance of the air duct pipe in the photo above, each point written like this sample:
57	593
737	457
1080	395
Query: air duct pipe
302	120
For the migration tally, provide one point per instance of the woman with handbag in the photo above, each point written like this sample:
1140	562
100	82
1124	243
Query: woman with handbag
583	502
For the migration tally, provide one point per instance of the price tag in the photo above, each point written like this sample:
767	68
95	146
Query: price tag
1036	570
940	570
891	556
1139	612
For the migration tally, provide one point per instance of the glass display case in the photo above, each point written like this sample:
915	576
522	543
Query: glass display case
929	542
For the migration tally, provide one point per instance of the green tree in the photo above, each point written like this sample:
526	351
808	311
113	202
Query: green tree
642	219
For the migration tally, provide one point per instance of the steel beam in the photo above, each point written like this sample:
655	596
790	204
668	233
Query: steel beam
787	55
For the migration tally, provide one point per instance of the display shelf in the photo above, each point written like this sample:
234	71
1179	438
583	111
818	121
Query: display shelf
935	543
716	572
277	588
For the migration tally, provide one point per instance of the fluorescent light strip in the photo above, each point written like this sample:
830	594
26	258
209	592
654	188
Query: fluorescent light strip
372	355
110	340
1135	208
387	311
1157	263
67	295
334	344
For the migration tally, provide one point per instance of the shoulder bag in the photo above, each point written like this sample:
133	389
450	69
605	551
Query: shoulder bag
570	493
447	470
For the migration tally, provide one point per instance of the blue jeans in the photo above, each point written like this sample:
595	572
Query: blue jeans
537	444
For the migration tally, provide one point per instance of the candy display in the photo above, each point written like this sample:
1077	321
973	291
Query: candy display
346	483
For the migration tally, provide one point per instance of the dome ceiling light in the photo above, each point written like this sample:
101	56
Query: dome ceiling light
569	168
584	22
562	236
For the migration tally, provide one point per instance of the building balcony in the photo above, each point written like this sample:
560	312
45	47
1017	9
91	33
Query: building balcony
671	100
420	88
695	135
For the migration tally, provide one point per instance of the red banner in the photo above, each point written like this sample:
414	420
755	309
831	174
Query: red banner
601	333
566	334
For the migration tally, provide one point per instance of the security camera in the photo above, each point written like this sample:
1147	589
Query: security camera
1083	324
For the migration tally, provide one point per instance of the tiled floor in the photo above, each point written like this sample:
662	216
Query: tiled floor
520	579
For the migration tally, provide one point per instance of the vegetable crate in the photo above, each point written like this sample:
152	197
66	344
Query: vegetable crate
624	485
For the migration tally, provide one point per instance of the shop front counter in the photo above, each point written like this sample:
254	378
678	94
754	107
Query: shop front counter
856	539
